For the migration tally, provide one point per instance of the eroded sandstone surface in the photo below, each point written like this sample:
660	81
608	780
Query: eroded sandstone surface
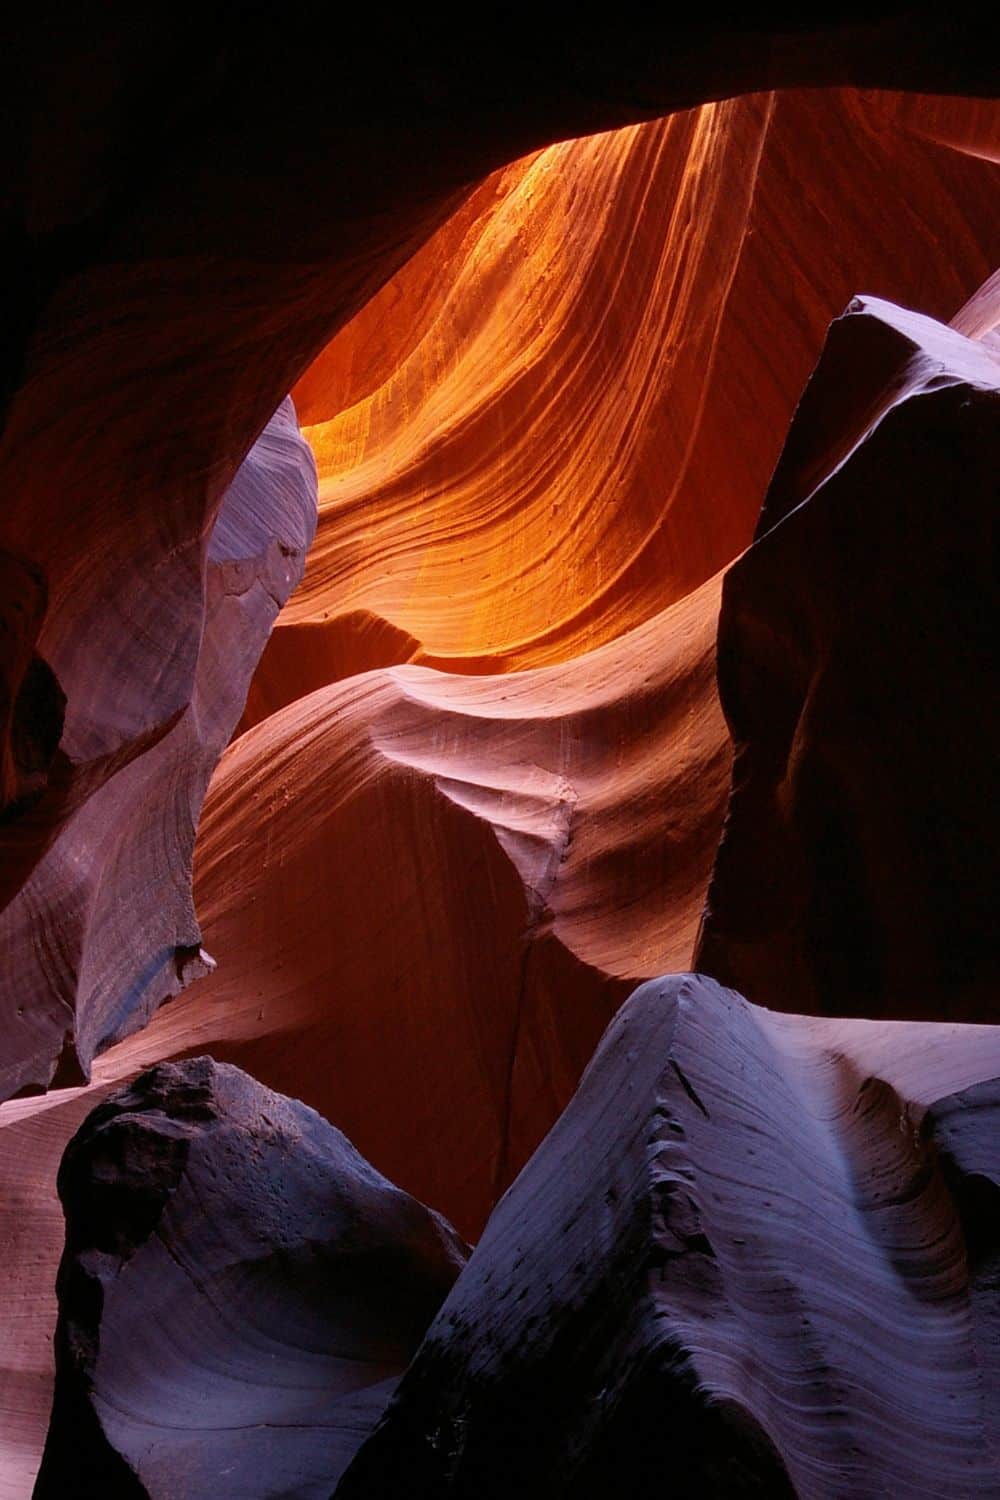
755	1256
562	414
104	928
239	1294
545	373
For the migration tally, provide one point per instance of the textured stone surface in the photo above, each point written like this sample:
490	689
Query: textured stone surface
465	926
756	1256
563	413
427	893
154	314
104	929
857	669
192	209
239	1293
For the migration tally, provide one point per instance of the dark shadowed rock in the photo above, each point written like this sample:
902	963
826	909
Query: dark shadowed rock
756	1256
858	673
239	1294
104	929
194	204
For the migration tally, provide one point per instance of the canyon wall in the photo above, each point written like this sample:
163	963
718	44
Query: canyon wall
502	743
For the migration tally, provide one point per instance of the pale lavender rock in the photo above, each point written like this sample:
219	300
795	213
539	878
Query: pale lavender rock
105	930
239	1293
757	1255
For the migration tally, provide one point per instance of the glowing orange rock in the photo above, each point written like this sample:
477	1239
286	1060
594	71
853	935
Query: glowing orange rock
563	413
427	893
160	316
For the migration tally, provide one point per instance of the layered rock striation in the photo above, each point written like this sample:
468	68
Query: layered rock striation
755	1256
429	880
154	315
562	414
104	929
428	893
239	1293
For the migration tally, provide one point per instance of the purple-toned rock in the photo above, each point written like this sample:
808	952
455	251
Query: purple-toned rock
239	1293
756	1256
105	930
858	671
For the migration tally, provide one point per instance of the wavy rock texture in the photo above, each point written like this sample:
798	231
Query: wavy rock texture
156	314
563	412
489	962
756	1256
489	966
104	929
239	1293
857	669
142	279
409	857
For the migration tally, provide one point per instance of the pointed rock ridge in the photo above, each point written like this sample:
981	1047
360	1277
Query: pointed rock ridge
412	856
239	1293
562	413
857	670
380	881
104	930
755	1256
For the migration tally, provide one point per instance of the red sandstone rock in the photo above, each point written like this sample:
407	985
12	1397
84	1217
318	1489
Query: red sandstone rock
428	893
562	414
239	1294
756	1256
104	929
857	871
343	989
452	798
155	313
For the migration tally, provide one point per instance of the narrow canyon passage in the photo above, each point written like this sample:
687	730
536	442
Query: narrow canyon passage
611	599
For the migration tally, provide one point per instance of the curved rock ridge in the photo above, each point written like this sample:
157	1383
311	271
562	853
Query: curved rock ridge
427	893
562	413
104	929
379	880
857	669
153	316
170	269
239	1293
755	1256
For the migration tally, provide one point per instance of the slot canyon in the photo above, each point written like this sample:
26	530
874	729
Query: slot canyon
498	695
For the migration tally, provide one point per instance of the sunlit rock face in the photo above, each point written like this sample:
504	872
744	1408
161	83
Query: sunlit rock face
545	431
104	929
427	887
154	314
239	1294
756	1256
562	414
432	891
857	667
